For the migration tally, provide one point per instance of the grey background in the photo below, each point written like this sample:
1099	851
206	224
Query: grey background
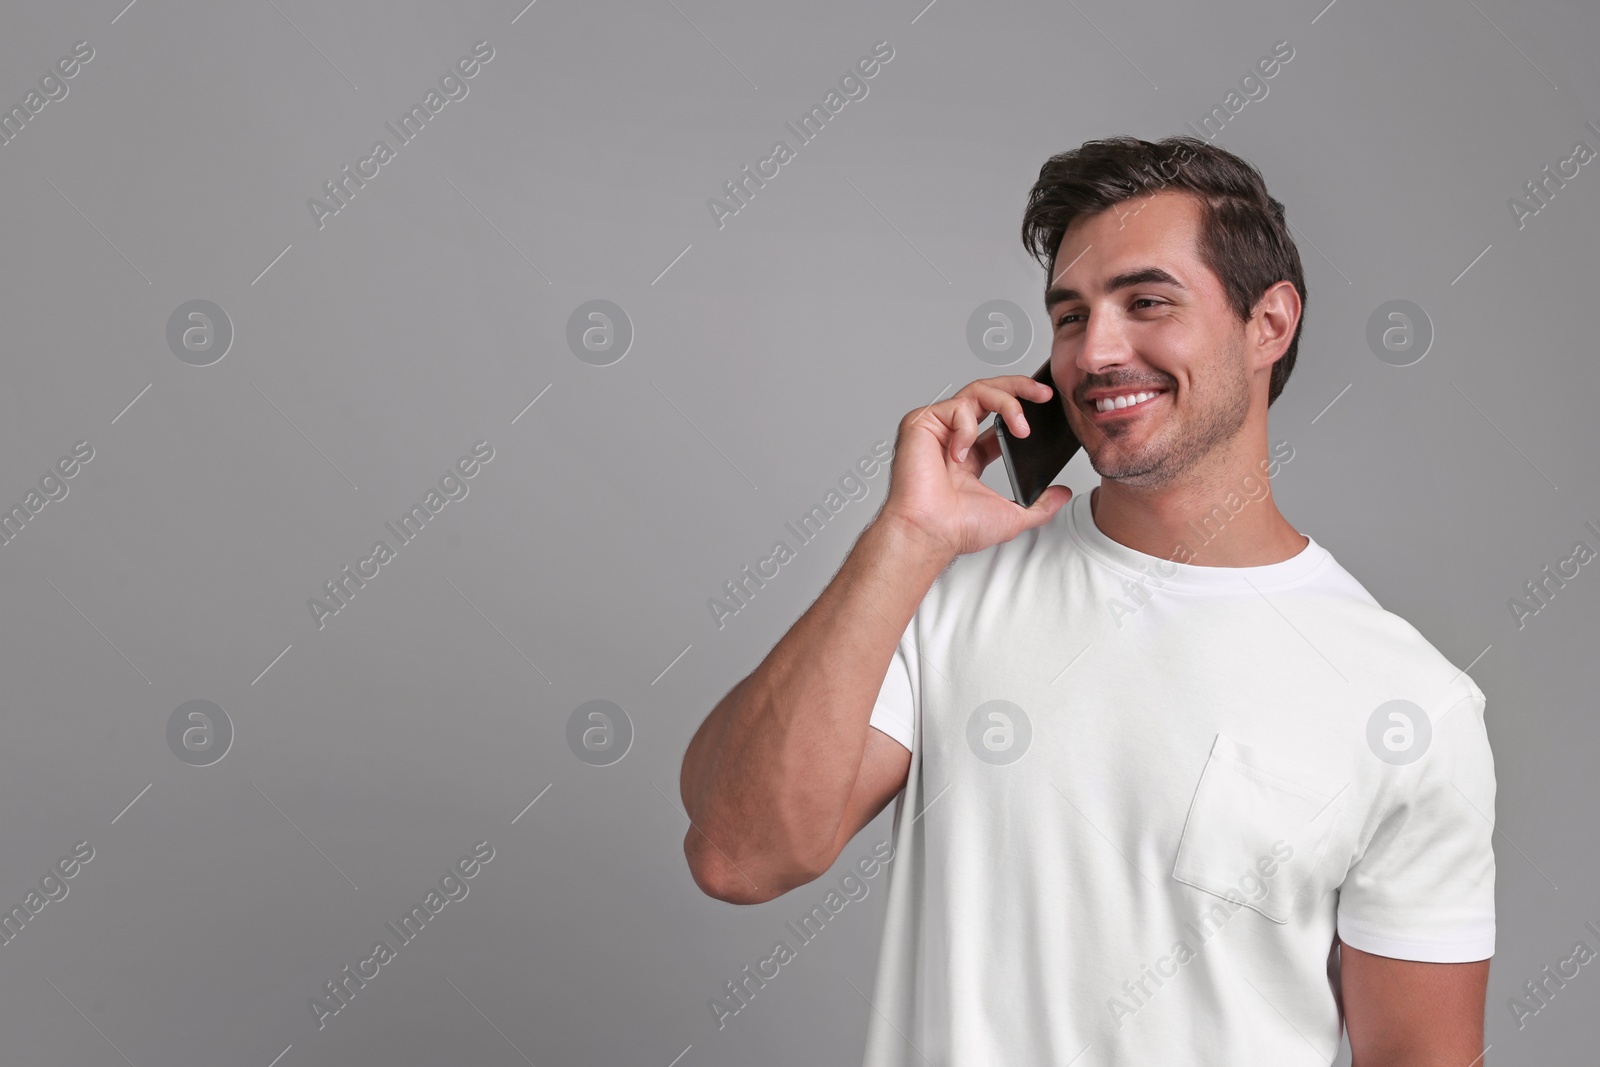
428	314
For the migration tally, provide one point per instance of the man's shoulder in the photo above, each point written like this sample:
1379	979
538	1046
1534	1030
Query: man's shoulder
1389	650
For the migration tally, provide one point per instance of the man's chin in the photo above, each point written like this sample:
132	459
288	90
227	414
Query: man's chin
1114	465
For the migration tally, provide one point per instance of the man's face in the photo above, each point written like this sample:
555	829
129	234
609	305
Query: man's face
1142	313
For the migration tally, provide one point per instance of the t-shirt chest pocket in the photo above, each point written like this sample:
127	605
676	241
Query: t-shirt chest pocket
1257	828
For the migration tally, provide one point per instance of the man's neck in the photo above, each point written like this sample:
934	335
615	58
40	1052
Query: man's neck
1157	522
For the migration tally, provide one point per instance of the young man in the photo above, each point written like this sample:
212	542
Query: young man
1174	788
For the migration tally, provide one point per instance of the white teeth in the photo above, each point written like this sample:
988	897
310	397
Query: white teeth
1124	401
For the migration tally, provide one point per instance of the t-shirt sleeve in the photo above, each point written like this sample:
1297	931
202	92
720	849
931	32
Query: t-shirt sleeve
1423	889
895	712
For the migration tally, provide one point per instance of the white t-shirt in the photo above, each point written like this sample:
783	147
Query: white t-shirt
1106	747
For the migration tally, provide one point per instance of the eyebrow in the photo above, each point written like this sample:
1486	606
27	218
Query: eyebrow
1125	280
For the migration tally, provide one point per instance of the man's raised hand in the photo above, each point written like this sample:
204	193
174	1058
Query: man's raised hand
934	486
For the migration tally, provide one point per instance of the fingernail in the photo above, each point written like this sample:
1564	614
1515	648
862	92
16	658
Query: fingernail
961	455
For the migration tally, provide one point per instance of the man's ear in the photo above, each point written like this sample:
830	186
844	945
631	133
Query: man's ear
1272	324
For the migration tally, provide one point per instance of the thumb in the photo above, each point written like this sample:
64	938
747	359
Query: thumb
1052	500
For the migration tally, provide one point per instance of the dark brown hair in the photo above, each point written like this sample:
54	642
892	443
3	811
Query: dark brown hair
1243	239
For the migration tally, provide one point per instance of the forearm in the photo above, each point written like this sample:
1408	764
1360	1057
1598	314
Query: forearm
767	776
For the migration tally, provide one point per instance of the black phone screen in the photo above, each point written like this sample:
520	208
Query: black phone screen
1032	462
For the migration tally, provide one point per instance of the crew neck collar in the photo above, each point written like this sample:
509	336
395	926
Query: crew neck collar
1132	563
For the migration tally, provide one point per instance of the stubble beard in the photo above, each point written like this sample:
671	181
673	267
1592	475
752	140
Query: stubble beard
1178	444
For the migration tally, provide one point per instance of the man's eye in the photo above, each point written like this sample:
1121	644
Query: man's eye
1062	321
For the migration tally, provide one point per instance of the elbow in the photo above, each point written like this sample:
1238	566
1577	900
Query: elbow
719	878
716	881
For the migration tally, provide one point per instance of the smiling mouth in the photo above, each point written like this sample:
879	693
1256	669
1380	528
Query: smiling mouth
1128	403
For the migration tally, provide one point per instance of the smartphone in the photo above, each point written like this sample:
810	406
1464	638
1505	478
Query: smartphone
1032	462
